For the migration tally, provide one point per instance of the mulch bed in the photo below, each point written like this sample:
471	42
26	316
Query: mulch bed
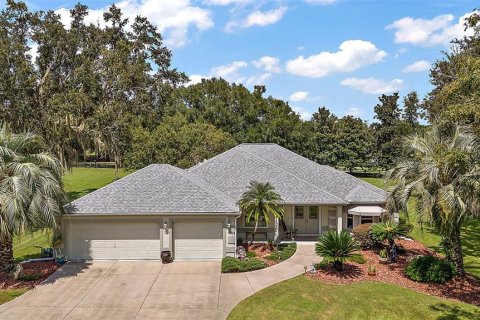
465	289
43	268
261	251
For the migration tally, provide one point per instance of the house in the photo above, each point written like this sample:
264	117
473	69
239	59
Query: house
194	213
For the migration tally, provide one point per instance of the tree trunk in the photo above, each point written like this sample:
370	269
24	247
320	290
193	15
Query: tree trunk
457	254
6	254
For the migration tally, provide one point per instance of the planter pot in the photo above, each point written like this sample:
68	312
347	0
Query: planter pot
383	260
372	273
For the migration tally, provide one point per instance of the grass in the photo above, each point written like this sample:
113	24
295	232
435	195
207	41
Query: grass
424	234
304	298
7	295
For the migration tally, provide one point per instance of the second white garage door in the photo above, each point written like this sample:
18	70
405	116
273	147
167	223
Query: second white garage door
198	240
115	240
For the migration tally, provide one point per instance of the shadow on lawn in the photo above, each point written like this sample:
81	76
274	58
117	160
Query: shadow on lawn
471	238
454	312
73	195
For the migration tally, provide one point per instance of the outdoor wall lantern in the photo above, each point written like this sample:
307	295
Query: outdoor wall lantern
229	226
165	226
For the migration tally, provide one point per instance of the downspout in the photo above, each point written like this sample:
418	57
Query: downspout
235	233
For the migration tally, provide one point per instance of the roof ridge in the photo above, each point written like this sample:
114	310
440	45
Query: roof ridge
198	181
192	168
290	173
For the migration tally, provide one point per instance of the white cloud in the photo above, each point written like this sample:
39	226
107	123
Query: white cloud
353	111
174	19
270	64
230	72
256	80
196	78
304	115
353	55
424	32
373	85
33	52
417	66
322	2
257	18
298	96
226	2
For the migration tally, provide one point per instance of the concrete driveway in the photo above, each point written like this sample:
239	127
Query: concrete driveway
147	290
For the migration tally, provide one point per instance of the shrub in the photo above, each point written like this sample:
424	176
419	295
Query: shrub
358	258
336	247
429	269
388	230
406	226
230	264
284	251
251	254
363	236
30	277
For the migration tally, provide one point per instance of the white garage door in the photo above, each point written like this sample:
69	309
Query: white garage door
115	241
198	240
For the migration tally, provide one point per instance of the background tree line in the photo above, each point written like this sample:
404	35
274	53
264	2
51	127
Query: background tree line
110	92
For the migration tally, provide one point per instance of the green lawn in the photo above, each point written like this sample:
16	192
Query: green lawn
424	234
7	295
303	298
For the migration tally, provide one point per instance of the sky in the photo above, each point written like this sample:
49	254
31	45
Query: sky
341	54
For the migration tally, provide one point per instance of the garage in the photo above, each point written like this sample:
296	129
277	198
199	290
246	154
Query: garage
114	240
198	240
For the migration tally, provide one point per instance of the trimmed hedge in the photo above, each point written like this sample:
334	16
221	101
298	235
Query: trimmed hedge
362	233
429	269
230	264
284	251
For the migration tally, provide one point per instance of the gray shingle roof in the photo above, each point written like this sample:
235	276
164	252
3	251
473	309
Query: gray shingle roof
295	178
155	189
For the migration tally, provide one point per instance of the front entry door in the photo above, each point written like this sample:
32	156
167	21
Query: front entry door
306	222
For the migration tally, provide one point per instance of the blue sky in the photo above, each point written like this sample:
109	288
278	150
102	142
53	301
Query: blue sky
336	53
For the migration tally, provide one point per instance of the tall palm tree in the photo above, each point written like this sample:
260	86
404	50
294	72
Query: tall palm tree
31	193
443	174
261	201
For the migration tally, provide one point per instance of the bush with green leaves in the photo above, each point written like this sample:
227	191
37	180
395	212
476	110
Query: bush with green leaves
362	234
429	269
283	252
30	277
336	247
357	258
230	264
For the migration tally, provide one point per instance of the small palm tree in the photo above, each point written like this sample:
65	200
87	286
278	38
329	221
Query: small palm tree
443	175
31	193
261	201
388	230
336	247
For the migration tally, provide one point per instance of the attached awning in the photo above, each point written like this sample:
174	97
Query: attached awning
374	211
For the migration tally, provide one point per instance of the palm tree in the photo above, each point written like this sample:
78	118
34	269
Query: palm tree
388	230
336	247
31	193
261	201
443	175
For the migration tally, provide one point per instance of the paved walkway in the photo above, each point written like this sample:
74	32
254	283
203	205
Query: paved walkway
148	290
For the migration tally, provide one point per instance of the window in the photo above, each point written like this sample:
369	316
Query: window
251	224
313	213
366	219
349	221
298	212
332	218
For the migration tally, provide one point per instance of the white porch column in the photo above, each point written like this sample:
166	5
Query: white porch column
339	219
276	228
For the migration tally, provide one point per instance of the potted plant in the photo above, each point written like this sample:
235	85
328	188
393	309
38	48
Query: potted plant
383	256
372	270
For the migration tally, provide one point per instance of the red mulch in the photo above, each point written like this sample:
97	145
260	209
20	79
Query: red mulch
261	251
465	289
44	268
